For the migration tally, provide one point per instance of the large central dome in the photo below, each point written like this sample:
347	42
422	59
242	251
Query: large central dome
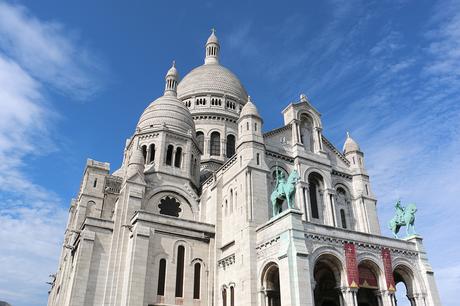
211	78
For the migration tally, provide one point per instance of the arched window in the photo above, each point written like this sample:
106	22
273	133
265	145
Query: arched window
200	140
224	297
152	153
144	152
180	271
342	202
232	296
343	218
271	284
314	182
196	280
169	155
178	157
161	277
306	132
230	145
91	209
215	143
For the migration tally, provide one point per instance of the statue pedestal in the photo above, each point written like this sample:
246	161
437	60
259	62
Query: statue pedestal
287	229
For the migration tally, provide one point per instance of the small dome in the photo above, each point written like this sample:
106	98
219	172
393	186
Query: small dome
169	111
172	72
350	145
249	109
211	78
213	38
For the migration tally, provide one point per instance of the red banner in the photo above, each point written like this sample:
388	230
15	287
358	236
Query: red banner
352	265
387	265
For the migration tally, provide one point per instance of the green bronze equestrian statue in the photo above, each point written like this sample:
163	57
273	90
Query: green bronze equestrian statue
403	217
284	190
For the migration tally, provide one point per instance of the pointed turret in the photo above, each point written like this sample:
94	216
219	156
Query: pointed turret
212	49
353	153
172	78
350	145
136	162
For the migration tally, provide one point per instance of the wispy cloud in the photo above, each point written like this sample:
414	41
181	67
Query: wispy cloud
35	57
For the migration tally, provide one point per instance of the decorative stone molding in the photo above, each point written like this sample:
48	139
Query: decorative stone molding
360	245
280	156
226	261
342	174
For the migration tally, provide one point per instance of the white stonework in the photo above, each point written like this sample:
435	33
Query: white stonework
187	219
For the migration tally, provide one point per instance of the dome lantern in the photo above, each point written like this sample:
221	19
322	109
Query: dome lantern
212	49
171	79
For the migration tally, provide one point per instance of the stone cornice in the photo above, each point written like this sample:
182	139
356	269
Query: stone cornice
226	261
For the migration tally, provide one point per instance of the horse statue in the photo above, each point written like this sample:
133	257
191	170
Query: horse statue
404	217
284	190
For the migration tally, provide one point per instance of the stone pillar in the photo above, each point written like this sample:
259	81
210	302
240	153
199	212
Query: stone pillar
331	207
321	207
432	296
82	267
294	266
223	147
350	296
206	146
139	246
306	195
385	298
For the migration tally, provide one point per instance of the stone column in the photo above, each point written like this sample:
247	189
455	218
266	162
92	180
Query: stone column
139	246
306	195
385	298
206	146
418	299
223	147
349	296
82	268
331	207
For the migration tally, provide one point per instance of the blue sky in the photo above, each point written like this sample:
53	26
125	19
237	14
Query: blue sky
75	77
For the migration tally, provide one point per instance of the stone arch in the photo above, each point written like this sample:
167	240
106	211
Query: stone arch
343	207
91	209
326	178
307	130
336	259
187	247
314	117
417	283
215	147
316	188
200	140
371	280
328	277
270	282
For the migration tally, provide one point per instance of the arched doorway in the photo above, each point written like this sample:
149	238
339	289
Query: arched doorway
368	283
271	285
404	281
327	275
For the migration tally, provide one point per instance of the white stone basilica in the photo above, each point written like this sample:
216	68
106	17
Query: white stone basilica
187	219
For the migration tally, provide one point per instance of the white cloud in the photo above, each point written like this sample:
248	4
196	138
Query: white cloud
35	56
